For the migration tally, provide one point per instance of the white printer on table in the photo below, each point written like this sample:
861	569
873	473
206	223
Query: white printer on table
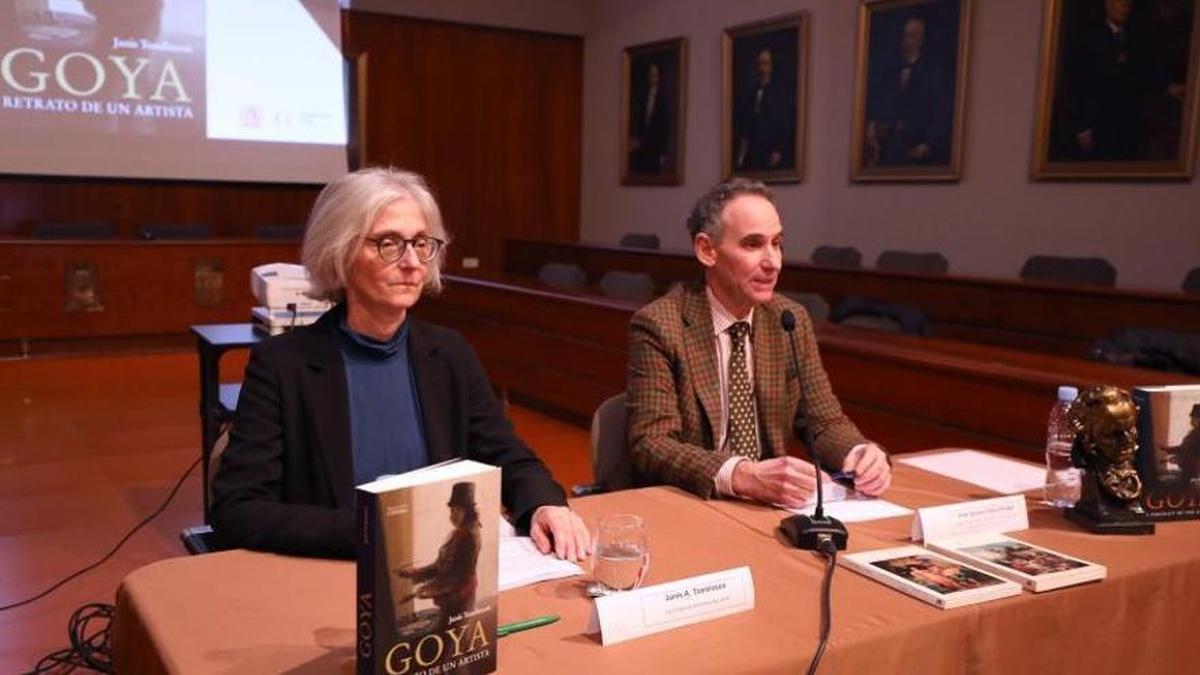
282	290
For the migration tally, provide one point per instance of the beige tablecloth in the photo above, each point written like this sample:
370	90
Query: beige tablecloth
244	612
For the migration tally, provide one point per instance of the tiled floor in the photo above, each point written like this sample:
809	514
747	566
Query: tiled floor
91	445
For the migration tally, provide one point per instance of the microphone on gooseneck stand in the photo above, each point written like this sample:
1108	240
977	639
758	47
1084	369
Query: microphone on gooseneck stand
816	532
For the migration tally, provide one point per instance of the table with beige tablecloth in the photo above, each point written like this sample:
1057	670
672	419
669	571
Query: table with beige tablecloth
244	612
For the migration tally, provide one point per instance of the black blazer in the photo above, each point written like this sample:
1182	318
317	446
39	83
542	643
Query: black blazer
286	479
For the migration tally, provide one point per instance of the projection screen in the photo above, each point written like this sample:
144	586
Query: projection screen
241	90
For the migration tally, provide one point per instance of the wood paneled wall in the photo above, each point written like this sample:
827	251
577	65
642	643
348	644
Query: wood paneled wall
493	117
231	209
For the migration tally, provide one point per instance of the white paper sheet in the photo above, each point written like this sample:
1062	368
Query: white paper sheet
999	474
856	510
521	564
849	506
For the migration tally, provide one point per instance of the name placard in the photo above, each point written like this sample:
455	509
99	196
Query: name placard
653	609
1002	514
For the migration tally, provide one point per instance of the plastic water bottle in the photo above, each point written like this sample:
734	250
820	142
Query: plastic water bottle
1062	479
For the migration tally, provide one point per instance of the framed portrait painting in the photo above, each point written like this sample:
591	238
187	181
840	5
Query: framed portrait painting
765	73
910	90
1117	90
653	107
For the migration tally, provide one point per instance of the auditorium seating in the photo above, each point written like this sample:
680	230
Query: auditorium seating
837	256
627	285
84	230
562	275
912	263
279	232
889	317
1052	268
816	305
1191	282
639	240
175	231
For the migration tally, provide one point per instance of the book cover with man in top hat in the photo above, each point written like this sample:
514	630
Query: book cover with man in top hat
427	571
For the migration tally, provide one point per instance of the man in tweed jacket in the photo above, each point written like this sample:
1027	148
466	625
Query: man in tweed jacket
689	423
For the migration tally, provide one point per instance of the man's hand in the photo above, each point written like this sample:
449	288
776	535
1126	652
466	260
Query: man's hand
559	529
1086	141
787	481
872	473
919	152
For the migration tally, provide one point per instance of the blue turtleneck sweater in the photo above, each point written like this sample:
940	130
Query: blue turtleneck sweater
386	432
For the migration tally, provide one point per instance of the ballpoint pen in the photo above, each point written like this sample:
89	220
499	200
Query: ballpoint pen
517	626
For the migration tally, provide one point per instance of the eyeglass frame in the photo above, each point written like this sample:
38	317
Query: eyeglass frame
406	244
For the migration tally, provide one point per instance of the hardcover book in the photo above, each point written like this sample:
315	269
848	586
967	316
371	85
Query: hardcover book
1169	451
1037	569
427	571
930	577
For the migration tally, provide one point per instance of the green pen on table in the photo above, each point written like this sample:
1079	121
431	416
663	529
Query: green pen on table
517	626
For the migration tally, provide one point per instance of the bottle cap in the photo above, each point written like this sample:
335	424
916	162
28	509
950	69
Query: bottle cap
1067	394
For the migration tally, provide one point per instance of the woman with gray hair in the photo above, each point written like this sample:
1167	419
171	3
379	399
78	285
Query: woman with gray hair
368	390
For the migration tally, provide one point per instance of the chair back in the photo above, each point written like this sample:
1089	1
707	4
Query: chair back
640	240
279	232
181	231
1191	283
97	230
562	275
611	468
1053	268
837	256
889	317
909	262
814	303
637	286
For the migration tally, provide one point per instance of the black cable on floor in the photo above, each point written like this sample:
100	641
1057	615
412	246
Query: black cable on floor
115	548
88	626
88	631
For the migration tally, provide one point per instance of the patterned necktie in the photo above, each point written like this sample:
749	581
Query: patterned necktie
742	414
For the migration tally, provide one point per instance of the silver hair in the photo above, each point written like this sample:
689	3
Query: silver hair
706	214
344	213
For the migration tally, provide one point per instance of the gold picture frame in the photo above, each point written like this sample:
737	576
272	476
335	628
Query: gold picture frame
653	112
1116	91
764	99
910	84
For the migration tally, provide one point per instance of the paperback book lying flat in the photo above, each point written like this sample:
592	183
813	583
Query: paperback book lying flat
1037	569
427	571
930	577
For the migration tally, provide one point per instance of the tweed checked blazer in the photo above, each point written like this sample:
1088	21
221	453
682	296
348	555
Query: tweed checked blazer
674	393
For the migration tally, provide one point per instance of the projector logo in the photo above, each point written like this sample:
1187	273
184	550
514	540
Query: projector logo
81	74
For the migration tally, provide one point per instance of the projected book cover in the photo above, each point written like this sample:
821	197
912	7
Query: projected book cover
1169	451
173	89
427	571
134	66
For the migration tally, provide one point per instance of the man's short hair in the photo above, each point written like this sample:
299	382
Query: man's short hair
706	214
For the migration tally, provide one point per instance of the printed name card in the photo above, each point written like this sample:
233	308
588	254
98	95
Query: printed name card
653	609
1002	514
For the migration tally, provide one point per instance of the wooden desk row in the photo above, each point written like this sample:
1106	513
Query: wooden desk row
1053	318
90	292
568	351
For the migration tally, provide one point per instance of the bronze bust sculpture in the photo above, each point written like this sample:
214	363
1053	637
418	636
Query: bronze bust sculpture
1104	419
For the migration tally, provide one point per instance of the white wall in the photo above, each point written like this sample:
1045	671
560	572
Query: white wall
987	224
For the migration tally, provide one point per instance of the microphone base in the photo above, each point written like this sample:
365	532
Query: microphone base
806	532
